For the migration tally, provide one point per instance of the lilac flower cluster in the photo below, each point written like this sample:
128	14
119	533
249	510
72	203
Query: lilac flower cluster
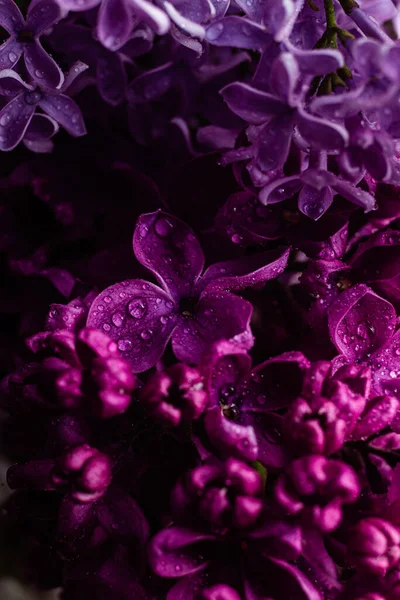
199	341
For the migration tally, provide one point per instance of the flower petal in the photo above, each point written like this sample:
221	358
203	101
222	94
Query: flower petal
111	78
221	6
216	317
378	414
114	23
320	133
229	437
153	16
318	61
251	104
42	15
11	83
121	516
273	142
314	203
139	316
253	9
280	189
11	17
14	120
360	322
65	111
41	128
168	248
41	67
237	32
176	552
240	273
10	53
354	194
78	5
283	77
280	17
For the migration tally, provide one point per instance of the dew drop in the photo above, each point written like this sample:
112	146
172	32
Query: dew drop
146	334
12	57
124	344
137	308
106	327
117	319
163	227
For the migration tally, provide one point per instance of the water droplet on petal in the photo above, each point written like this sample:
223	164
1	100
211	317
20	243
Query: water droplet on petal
106	327
124	344
146	334
163	227
137	308
117	319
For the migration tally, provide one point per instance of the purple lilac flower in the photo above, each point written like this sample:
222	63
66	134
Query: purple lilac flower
17	117
24	40
191	309
374	546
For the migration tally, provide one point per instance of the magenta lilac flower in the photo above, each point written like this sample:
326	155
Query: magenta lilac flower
215	415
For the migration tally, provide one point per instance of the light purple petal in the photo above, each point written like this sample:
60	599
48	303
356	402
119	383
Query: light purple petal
184	24
11	83
338	106
280	189
216	317
283	77
237	32
74	72
317	61
42	15
273	142
114	23
65	111
280	17
139	317
78	5
320	133
313	202
240	273
111	78
198	11
176	552
229	437
40	128
168	248
153	16
41	67
11	17
360	321
254	9
14	120
251	104
221	6
10	53
354	194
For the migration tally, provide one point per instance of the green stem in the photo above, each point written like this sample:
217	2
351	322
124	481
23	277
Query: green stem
330	14
348	5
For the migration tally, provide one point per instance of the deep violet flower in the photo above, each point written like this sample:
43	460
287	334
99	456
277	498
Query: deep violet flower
315	489
24	40
243	419
16	117
175	395
374	545
325	414
190	309
82	371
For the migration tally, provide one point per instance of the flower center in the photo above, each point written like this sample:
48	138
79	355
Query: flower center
187	306
25	36
33	97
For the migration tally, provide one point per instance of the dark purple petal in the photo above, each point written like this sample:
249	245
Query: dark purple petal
170	250
34	475
75	526
240	273
139	317
273	142
11	83
251	104
320	133
318	61
314	203
40	128
153	16
65	111
111	78
176	552
121	516
229	437
10	17
221	6
42	15
280	189
237	32
385	365
253	9
10	52
14	120
378	414
183	25
114	23
360	321
354	194
216	317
